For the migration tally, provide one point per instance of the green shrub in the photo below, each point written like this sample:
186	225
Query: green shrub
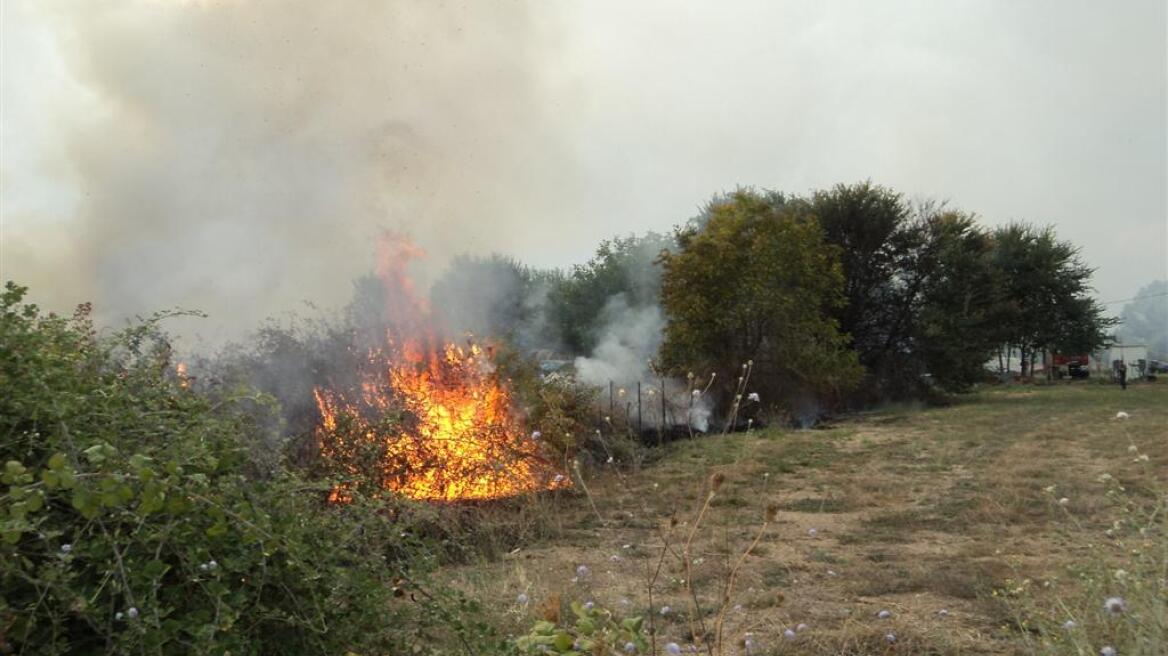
593	630
132	519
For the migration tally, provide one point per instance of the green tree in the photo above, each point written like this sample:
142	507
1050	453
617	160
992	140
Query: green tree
622	266
1045	286
953	334
756	280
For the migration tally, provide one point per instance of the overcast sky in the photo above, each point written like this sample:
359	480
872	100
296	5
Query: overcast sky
239	157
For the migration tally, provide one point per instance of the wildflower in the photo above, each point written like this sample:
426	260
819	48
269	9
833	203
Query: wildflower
944	612
749	644
624	602
884	614
521	599
890	638
582	571
802	627
558	479
697	393
1115	606
615	558
119	615
535	435
1121	415
812	532
610	460
630	648
588	605
1107	651
132	613
753	396
66	548
673	648
665	610
789	634
1069	625
1063	501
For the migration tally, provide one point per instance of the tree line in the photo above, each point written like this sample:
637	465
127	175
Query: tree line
851	294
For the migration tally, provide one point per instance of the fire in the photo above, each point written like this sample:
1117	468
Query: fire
458	436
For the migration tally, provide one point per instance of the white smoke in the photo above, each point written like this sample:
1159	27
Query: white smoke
623	357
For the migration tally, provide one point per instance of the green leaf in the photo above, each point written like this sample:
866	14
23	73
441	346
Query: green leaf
85	503
51	479
36	501
13	472
57	461
155	569
563	642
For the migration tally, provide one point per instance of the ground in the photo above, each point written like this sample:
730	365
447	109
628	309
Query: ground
943	517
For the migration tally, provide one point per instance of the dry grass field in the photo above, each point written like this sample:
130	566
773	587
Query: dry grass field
980	528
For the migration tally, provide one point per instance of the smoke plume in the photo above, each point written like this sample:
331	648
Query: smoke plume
240	157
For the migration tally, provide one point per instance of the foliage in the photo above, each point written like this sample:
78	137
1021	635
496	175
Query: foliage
561	409
621	267
1045	289
952	331
756	283
872	228
595	630
919	288
133	520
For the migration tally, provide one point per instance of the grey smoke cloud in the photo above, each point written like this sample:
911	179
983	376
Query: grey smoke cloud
239	157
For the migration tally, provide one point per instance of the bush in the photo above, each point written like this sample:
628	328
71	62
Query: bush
132	520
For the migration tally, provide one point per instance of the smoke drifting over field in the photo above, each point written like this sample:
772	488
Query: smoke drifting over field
239	157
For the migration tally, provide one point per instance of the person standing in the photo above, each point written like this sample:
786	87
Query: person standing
1121	369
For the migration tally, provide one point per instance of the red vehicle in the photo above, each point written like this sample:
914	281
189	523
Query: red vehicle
1075	366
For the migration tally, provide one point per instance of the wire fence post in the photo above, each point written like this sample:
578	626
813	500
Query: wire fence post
640	426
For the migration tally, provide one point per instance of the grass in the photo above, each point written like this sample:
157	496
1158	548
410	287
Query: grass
914	510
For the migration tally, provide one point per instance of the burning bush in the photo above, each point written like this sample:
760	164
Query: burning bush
428	418
131	521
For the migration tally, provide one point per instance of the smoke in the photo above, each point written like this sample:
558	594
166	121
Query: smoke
240	157
630	338
629	341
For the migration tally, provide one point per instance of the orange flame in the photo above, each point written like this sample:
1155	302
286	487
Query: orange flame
458	437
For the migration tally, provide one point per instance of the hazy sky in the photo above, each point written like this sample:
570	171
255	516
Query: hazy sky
240	155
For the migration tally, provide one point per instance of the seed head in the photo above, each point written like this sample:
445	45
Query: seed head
1115	606
716	481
